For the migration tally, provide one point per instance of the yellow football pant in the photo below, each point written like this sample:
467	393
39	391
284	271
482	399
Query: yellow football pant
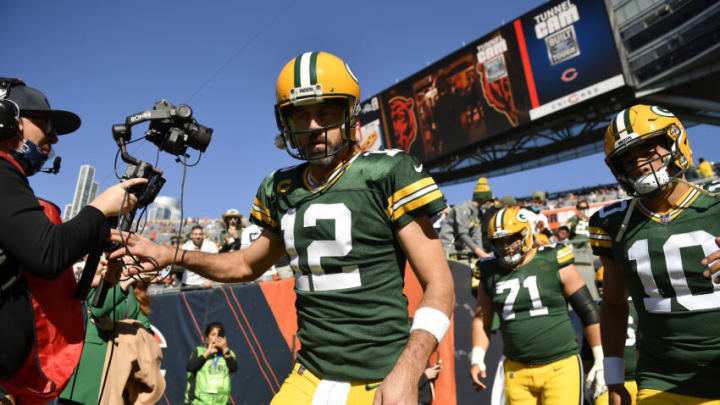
559	382
655	397
304	388
631	386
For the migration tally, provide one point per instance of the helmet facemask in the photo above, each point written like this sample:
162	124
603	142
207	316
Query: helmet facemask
672	163
510	250
291	135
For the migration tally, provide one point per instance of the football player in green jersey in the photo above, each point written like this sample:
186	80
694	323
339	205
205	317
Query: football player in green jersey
655	247
530	289
348	220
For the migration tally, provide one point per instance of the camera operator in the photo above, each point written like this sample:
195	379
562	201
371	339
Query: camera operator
32	247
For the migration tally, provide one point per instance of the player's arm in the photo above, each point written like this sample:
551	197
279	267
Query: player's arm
481	324
578	295
613	326
241	265
432	318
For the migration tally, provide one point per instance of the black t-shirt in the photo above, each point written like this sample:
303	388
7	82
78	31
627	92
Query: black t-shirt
28	237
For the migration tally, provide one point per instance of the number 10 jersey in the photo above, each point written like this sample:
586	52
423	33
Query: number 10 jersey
348	264
678	308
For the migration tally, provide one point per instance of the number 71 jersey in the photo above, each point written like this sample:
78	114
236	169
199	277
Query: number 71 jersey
678	308
348	265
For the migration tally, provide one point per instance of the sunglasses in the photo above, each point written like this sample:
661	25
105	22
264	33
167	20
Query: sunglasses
43	122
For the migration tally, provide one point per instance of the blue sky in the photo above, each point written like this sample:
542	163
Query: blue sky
105	60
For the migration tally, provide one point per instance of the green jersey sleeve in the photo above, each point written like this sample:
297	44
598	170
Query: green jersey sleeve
261	212
410	191
604	225
564	256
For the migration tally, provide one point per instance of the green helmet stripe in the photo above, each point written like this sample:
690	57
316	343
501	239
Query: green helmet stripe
628	126
297	70
313	68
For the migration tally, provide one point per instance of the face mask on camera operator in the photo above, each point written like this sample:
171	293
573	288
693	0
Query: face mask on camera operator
31	126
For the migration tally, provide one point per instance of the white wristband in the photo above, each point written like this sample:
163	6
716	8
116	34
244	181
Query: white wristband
477	356
431	320
614	370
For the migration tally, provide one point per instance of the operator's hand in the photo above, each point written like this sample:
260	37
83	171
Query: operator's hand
109	201
712	261
475	374
143	249
398	388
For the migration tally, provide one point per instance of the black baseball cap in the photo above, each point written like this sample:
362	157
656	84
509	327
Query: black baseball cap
33	103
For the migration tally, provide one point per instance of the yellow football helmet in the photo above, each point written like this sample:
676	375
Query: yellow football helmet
638	124
316	77
505	223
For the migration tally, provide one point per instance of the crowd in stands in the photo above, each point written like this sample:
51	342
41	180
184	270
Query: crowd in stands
543	203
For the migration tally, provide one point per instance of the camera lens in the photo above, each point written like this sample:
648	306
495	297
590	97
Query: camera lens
198	136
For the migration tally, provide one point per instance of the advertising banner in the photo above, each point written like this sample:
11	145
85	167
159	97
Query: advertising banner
371	134
568	54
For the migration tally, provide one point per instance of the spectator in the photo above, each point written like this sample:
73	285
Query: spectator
508	202
705	169
209	368
539	221
561	234
462	226
198	242
173	273
230	236
426	391
579	223
122	302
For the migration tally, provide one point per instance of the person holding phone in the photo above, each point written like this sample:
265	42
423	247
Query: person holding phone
209	369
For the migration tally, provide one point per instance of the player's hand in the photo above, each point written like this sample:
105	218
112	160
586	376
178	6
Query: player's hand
475	374
618	395
597	375
143	249
712	262
397	388
109	201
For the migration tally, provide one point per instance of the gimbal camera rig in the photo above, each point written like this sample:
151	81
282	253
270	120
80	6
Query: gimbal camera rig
172	129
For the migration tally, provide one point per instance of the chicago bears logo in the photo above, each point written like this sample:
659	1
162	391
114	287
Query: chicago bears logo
402	112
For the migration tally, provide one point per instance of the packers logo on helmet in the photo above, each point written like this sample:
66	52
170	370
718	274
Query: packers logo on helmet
316	77
637	125
507	223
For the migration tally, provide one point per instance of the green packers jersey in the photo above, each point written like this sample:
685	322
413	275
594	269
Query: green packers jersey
349	267
678	308
534	319
630	354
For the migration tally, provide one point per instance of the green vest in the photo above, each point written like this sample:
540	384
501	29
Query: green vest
212	381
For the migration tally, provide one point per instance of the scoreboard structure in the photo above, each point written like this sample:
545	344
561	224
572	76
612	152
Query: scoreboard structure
541	89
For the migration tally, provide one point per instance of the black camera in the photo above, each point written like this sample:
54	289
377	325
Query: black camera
172	129
180	130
